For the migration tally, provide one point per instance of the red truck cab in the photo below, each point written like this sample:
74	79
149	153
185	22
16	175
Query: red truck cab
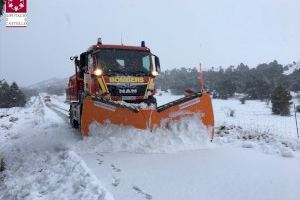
119	71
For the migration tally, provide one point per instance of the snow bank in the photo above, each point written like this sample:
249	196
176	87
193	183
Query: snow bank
48	175
187	135
38	163
258	138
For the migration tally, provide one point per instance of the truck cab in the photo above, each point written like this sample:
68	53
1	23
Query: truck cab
119	72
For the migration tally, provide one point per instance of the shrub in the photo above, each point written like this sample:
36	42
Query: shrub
243	100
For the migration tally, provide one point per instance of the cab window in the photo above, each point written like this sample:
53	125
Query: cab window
90	61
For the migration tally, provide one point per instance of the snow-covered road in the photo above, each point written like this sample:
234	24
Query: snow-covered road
129	167
220	173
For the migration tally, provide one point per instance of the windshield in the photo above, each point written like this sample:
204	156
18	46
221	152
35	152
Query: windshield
119	61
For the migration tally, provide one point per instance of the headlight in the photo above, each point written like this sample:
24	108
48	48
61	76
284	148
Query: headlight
154	73
98	72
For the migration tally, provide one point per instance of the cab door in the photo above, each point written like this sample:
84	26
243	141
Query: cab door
84	68
91	78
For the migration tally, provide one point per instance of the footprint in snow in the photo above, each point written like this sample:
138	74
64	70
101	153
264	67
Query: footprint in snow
114	168
100	162
116	181
99	154
140	191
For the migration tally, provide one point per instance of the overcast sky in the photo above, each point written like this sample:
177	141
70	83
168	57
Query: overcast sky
181	33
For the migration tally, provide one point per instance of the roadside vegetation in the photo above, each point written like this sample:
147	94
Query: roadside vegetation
11	95
255	83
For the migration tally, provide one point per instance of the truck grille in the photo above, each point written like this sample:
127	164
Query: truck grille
124	90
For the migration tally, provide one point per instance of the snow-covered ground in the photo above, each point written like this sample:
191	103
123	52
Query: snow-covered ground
255	155
38	161
253	125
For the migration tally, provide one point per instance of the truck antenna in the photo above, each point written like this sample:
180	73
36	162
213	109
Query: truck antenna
201	78
122	38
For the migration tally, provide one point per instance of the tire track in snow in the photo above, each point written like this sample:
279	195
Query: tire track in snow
65	117
58	107
61	114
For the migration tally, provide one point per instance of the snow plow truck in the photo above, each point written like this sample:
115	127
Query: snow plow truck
116	84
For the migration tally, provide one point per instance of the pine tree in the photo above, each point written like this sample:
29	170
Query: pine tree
4	94
11	96
281	101
17	98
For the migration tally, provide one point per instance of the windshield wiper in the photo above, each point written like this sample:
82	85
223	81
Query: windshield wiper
126	73
140	73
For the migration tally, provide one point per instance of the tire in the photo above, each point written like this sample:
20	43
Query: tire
74	123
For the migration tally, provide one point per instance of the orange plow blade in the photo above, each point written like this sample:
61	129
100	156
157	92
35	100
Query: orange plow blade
101	111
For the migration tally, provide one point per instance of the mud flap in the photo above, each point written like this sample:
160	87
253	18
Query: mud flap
101	111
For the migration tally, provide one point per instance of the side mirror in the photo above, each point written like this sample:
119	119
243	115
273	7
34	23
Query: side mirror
157	64
83	60
77	62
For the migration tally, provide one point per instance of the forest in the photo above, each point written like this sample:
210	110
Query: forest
254	83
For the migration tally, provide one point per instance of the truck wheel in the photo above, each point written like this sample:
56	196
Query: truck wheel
74	123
